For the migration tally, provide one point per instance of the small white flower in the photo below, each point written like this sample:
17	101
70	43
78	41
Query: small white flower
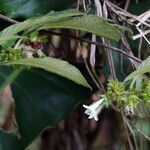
94	109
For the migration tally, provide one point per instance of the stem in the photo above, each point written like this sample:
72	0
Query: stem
88	69
129	124
8	19
96	43
110	60
131	131
127	134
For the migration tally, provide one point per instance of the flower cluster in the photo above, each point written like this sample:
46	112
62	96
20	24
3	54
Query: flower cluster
9	54
126	99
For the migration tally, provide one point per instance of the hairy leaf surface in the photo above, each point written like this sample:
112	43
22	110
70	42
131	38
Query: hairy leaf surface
60	67
68	19
88	23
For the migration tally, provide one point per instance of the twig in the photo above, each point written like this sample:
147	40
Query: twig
140	47
102	12
78	140
131	127
96	43
141	32
93	51
98	80
8	19
128	122
131	131
122	13
110	60
144	136
88	69
127	5
127	133
125	43
84	5
78	4
139	35
98	8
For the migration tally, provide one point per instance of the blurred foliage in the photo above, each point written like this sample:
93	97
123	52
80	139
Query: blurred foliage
30	8
138	7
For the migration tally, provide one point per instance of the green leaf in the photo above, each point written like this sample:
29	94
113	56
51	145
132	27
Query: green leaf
8	38
43	99
10	32
9	141
66	19
57	66
142	111
88	23
30	8
7	75
143	68
124	28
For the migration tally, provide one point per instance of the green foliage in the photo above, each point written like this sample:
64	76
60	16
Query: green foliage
46	89
116	92
53	65
142	125
43	99
9	54
143	108
30	8
143	111
127	98
36	37
88	23
34	24
7	39
143	68
146	90
68	19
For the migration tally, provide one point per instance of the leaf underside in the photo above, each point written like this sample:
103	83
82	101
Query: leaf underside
43	99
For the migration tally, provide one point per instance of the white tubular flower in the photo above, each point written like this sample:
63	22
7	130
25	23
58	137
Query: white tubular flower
94	109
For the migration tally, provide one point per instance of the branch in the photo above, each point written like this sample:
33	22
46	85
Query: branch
127	133
96	43
129	123
101	89
8	19
139	132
